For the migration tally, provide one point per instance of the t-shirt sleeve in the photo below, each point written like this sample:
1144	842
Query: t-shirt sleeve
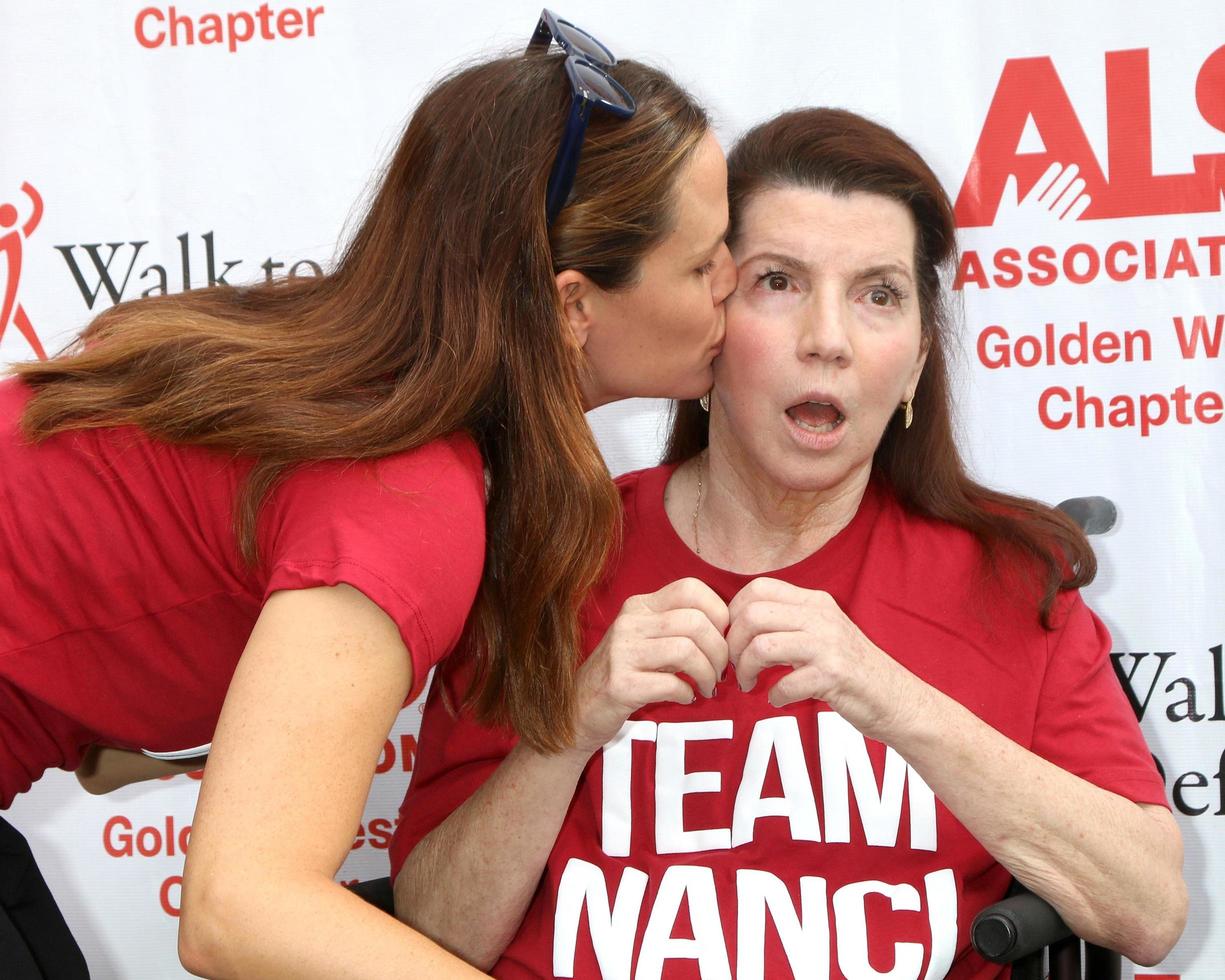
1085	723
455	756
406	530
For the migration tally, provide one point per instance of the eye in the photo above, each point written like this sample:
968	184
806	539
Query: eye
885	294
705	268
775	281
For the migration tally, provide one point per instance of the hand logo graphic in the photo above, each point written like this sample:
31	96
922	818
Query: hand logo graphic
1059	195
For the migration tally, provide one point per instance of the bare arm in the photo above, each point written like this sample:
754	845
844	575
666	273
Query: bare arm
314	695
104	768
1059	835
469	882
1055	832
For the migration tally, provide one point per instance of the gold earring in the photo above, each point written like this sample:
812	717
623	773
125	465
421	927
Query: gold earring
908	405
704	401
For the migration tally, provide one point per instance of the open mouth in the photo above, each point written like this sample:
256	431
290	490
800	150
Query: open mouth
819	417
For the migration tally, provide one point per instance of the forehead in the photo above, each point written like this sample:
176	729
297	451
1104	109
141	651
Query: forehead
701	201
827	230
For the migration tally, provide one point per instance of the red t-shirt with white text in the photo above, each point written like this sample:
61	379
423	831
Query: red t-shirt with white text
730	838
124	604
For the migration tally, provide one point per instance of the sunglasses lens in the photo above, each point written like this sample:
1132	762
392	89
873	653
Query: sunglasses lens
577	41
600	86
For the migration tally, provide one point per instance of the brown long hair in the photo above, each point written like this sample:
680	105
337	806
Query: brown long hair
839	152
441	315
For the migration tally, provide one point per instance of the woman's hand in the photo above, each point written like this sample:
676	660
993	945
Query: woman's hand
104	768
661	647
775	623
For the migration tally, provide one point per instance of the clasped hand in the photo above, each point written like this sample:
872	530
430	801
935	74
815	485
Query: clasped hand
675	645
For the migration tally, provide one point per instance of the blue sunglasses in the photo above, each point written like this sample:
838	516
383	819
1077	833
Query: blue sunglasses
593	87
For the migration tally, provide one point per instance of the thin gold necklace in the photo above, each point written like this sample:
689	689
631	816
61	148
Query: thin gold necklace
697	544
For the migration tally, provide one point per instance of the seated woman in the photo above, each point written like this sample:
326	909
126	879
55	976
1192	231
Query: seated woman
919	706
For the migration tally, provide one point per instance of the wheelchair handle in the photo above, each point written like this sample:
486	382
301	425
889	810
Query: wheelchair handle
1016	927
1095	515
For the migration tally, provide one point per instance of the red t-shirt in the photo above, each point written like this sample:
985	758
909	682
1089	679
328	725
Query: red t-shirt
730	838
124	604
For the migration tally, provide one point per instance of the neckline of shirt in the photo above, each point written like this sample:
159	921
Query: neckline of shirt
672	549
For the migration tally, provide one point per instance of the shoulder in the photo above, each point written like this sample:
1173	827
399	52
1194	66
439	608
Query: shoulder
646	485
929	541
447	470
627	483
1072	621
453	458
934	566
430	499
407	530
1019	543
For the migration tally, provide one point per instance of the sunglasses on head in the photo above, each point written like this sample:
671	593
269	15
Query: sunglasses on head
593	88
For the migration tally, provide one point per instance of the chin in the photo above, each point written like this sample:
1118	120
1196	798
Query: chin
805	477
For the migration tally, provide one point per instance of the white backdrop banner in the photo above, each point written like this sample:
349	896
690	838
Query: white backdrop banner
154	148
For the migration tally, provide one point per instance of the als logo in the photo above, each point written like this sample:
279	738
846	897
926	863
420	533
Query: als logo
12	235
1032	132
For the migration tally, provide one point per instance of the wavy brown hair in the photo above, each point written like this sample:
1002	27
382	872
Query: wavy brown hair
839	152
441	315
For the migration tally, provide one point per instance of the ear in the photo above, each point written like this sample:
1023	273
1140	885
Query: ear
576	292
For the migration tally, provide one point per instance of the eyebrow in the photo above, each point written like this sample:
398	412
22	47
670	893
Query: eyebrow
791	262
779	258
894	267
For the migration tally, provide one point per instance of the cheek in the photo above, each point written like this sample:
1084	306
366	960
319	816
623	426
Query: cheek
889	379
905	360
667	314
642	329
749	356
747	335
689	307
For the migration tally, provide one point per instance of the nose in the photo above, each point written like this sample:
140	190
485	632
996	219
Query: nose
723	279
823	332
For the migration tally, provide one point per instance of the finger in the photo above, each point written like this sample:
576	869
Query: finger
764	617
633	690
1044	182
696	626
799	685
1079	207
679	655
793	609
771	650
1068	198
764	589
650	674
1048	197
654	688
690	593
